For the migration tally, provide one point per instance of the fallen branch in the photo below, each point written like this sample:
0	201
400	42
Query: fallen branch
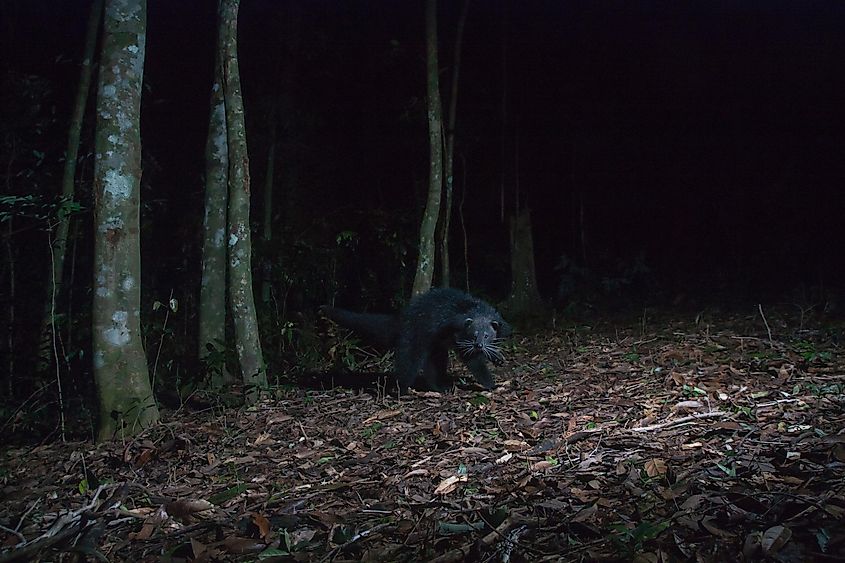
65	526
713	414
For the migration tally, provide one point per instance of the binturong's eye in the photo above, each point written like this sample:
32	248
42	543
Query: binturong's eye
467	323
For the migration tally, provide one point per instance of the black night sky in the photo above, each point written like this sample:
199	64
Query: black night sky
703	138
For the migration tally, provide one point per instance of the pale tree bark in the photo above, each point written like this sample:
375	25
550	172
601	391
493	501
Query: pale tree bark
212	307
446	210
241	298
425	261
120	367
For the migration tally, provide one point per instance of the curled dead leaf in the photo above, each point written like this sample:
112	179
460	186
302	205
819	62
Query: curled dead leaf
449	484
655	467
515	445
184	508
775	538
689	405
239	546
262	523
382	415
542	465
586	514
709	524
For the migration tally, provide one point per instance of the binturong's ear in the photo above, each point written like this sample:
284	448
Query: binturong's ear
503	330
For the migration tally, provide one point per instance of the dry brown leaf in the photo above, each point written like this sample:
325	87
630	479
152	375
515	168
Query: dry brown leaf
262	523
183	508
709	524
383	415
240	546
515	445
542	465
774	539
449	484
587	514
655	467
684	406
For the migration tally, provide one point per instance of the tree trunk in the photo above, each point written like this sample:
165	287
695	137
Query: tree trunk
74	133
267	227
55	285
120	367
241	296
212	307
425	262
504	112
446	211
524	300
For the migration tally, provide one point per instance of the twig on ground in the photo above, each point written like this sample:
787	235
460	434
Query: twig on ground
689	418
768	329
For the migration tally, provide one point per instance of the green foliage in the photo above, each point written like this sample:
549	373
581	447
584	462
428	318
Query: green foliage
371	430
693	391
216	359
46	211
479	400
729	470
821	390
228	494
810	353
632	540
632	357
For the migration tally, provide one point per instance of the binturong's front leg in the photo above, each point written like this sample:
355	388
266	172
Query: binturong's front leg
478	367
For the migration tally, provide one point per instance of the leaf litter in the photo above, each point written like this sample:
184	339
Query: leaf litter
688	442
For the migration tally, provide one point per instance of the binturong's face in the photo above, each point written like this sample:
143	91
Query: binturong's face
482	336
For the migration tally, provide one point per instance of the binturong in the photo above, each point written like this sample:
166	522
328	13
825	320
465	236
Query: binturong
426	329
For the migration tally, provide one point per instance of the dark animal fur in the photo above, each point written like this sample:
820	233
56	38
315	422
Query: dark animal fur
425	330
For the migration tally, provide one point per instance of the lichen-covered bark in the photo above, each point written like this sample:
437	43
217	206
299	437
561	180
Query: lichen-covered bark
241	298
425	262
212	308
120	367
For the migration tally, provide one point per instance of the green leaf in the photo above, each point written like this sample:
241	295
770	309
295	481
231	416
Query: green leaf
228	494
273	552
729	471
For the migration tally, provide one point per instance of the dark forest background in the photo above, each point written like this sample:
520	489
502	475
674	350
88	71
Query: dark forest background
684	154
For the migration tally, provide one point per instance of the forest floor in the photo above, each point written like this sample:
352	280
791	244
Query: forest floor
716	438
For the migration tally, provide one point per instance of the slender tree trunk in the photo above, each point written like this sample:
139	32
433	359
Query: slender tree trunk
241	296
55	286
463	220
120	367
10	334
74	133
504	112
446	210
425	262
212	309
267	230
